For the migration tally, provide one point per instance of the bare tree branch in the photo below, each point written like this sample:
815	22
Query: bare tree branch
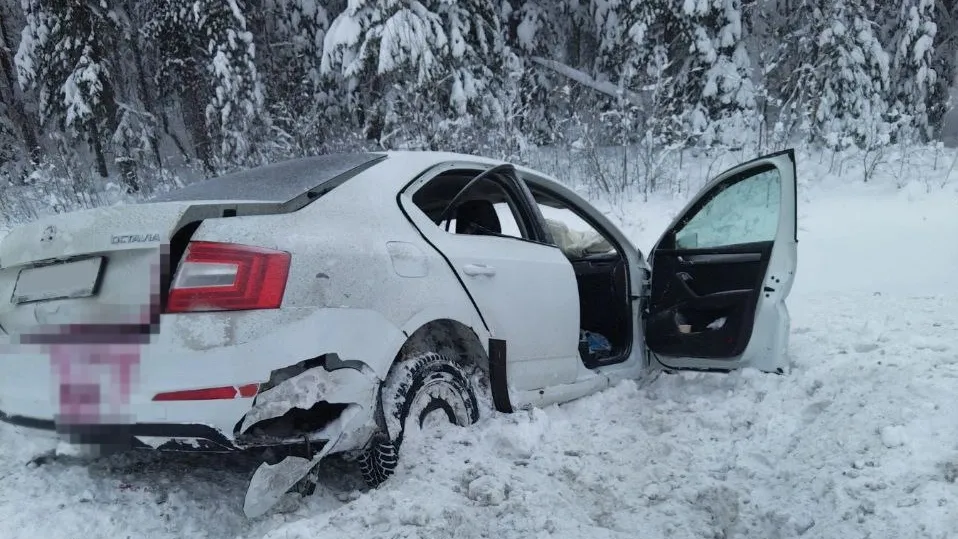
588	81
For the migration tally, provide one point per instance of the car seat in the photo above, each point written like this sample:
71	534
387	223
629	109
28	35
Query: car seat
477	217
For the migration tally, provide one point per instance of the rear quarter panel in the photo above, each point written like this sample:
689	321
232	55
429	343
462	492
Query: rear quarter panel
352	249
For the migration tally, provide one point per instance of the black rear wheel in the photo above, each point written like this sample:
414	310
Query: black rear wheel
422	389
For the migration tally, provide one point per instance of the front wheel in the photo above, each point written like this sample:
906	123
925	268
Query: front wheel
423	388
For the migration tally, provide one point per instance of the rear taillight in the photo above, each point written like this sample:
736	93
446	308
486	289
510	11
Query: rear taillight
228	277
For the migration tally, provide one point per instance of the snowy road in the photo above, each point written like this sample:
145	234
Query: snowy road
859	440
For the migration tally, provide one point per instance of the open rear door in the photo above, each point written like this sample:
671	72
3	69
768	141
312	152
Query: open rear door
722	271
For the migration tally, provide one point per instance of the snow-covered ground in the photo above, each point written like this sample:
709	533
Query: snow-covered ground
859	440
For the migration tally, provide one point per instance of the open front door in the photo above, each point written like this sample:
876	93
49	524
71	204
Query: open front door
722	271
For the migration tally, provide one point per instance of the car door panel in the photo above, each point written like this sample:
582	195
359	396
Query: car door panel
525	292
527	295
721	272
704	289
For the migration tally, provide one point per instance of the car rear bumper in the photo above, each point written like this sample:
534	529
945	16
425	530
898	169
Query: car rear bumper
180	358
172	437
184	438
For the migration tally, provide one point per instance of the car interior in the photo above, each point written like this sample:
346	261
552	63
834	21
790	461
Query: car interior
601	270
602	276
709	270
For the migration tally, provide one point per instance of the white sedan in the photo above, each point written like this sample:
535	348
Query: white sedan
320	305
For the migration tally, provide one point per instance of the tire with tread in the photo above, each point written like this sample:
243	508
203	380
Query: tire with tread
416	387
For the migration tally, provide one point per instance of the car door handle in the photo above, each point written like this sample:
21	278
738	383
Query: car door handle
478	269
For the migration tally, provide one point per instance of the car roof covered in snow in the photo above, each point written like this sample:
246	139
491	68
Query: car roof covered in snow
278	182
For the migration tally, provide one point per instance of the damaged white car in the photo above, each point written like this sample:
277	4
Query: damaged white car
319	305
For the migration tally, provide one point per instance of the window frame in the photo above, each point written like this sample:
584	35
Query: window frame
525	209
511	205
578	212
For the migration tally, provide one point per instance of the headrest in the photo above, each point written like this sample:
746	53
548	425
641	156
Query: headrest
477	212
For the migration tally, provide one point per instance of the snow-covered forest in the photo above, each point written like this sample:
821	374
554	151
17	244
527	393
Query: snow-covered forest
126	96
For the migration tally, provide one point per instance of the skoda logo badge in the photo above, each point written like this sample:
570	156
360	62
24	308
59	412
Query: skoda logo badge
49	233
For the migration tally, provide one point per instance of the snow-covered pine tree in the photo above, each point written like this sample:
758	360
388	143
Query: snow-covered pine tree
561	31
718	80
912	30
422	73
65	55
776	38
624	31
298	29
852	76
143	121
19	142
207	64
686	61
290	36
944	62
785	36
658	58
235	108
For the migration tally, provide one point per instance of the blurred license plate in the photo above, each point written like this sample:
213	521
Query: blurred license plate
68	280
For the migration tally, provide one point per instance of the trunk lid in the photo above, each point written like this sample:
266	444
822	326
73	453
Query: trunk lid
96	231
99	266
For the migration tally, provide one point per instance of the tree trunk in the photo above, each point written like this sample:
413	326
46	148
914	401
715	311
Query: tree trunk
128	173
146	96
195	120
93	133
587	80
11	95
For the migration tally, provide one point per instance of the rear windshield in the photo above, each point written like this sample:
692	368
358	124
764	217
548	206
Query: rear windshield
280	182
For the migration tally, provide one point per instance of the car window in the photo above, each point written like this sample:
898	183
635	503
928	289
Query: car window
487	208
571	233
745	211
508	222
